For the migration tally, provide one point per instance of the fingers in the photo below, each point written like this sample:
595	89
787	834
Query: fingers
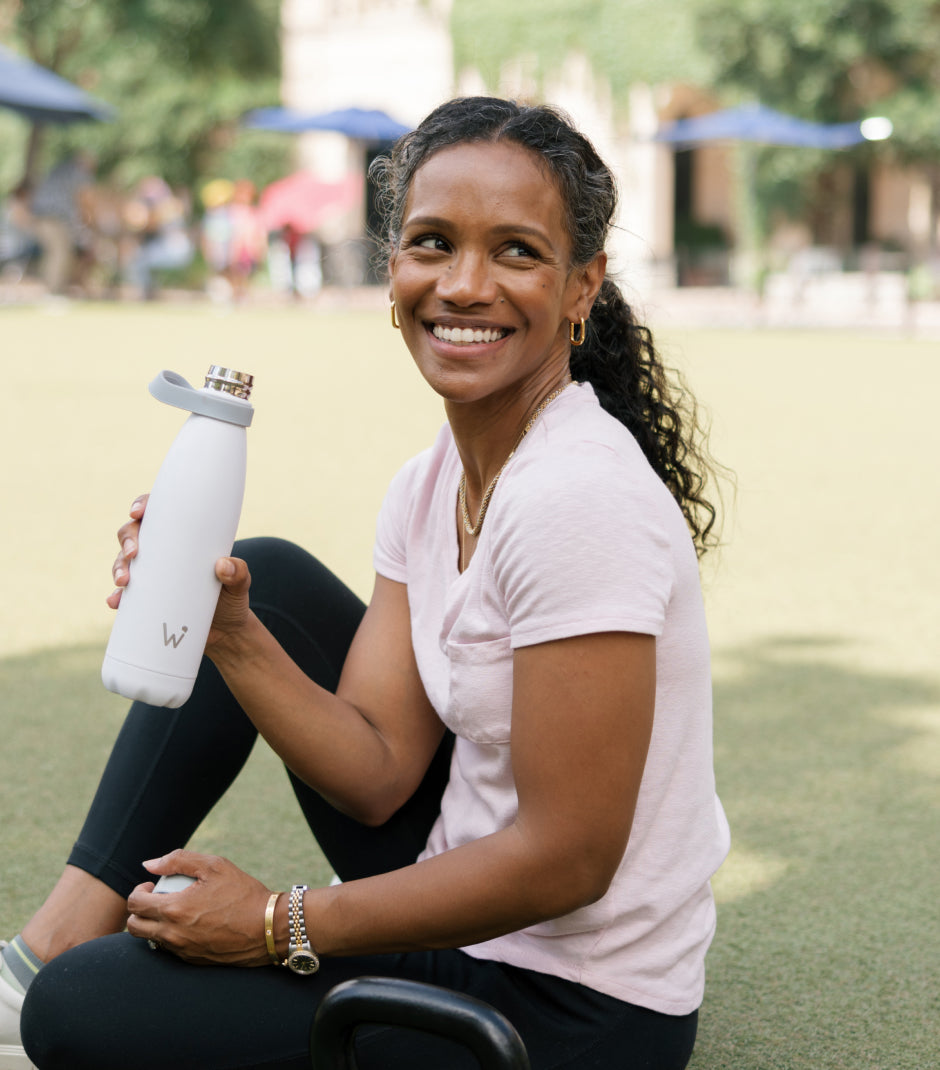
215	920
139	506
128	534
149	912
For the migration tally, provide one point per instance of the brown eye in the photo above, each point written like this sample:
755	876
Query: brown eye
431	241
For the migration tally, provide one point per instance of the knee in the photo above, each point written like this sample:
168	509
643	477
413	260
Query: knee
280	569
277	566
299	598
265	552
49	1029
70	1017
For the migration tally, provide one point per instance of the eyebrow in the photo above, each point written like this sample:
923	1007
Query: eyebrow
503	228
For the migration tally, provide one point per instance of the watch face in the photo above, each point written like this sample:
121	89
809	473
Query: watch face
303	961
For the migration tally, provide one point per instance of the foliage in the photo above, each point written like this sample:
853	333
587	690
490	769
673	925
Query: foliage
830	61
179	73
626	41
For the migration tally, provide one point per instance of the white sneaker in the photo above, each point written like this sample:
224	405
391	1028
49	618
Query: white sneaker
12	1055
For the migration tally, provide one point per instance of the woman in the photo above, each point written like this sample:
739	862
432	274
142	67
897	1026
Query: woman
534	648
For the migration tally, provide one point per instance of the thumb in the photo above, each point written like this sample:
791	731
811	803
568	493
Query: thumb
178	861
232	571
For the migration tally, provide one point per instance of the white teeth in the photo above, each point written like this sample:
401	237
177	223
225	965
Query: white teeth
465	335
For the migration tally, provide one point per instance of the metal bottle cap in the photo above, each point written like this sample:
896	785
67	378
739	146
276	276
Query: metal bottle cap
224	397
229	381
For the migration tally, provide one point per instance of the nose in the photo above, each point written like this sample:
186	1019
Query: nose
467	280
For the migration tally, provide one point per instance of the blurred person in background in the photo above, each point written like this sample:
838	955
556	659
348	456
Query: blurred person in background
57	220
247	237
294	262
217	236
158	221
18	244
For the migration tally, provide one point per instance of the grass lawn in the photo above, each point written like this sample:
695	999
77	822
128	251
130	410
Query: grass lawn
822	608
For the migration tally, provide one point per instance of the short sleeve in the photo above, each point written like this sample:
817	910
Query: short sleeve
389	556
581	546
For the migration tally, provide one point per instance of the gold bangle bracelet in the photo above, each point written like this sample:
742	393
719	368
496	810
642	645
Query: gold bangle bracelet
269	927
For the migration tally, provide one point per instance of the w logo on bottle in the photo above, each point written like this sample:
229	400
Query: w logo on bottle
172	637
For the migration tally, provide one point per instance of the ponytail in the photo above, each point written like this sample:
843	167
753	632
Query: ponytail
620	362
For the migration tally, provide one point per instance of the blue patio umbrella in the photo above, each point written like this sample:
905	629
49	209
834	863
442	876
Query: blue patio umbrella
754	122
361	124
43	96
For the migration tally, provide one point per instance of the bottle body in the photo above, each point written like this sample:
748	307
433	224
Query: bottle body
160	631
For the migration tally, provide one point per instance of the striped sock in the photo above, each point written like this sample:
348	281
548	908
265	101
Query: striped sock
18	964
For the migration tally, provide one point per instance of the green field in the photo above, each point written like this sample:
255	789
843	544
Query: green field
822	607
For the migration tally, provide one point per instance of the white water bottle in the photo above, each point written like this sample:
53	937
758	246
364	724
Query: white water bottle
162	623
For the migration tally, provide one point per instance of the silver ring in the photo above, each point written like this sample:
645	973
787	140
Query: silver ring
154	946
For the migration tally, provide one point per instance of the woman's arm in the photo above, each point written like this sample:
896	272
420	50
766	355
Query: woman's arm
582	718
367	747
581	724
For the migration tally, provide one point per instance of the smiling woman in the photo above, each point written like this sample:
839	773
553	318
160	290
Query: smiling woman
482	283
506	756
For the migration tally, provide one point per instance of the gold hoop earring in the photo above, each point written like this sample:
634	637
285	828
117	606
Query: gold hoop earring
577	339
395	322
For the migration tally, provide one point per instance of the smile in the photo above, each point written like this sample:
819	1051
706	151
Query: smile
468	335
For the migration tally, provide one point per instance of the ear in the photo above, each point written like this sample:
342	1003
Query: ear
584	286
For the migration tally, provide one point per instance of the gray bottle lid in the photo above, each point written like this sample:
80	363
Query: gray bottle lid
224	397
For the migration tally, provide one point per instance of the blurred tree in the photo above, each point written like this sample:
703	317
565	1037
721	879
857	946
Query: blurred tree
626	41
832	61
179	73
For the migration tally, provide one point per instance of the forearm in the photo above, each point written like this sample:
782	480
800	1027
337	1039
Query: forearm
484	889
324	739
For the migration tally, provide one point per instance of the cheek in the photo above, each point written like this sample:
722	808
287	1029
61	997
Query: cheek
404	282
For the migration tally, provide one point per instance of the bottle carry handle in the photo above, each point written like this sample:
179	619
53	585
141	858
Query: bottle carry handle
172	389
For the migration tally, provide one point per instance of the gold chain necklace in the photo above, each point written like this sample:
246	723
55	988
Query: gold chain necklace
468	525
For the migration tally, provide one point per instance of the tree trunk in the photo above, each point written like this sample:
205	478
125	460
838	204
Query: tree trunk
33	147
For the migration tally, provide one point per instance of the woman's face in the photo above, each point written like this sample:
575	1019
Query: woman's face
481	279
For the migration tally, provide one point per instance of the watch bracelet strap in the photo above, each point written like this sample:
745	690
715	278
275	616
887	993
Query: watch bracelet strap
269	927
297	936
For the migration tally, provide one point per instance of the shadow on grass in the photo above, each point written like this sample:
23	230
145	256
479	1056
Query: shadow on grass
827	946
58	725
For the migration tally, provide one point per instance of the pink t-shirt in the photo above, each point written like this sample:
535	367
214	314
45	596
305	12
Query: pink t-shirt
581	536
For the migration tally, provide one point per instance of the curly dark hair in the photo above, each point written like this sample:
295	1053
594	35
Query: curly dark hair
618	357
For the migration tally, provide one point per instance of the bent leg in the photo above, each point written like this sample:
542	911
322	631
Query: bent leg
315	623
168	768
113	1004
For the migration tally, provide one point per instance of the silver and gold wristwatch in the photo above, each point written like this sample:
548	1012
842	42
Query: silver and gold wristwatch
301	958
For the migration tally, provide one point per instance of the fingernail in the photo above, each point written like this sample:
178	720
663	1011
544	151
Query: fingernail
128	546
227	568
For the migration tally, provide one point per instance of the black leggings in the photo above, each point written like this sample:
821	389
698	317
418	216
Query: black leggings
113	1003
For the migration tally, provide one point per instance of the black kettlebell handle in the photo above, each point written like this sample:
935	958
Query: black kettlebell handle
413	1005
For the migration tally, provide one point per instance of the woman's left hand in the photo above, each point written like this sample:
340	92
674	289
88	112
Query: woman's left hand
219	920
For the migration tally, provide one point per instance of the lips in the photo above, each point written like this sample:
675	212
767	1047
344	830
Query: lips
468	335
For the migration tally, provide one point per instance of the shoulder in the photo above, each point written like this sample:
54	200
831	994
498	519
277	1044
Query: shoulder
583	532
422	471
581	460
407	511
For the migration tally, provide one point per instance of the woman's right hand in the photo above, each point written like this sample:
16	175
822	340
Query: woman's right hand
128	535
